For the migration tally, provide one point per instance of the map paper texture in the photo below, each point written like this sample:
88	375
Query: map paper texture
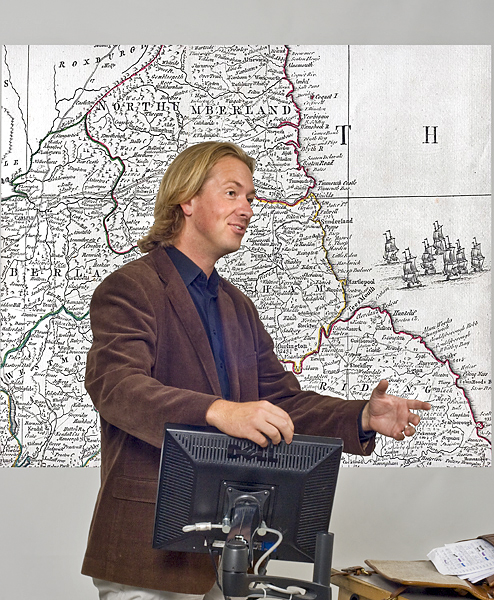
368	255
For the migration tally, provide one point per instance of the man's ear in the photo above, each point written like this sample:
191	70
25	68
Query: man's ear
187	207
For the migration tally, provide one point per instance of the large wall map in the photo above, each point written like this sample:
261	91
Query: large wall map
368	256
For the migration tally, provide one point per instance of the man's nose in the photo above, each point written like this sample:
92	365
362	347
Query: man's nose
246	208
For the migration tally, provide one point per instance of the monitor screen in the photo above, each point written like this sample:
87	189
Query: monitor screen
203	472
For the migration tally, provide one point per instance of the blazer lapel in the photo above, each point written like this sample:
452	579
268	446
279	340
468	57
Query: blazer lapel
187	314
231	338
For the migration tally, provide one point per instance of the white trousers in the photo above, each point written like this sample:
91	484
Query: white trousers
117	591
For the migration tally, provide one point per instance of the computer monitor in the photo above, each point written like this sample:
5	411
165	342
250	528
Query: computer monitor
205	474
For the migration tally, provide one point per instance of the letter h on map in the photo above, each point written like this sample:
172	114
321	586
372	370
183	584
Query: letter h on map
429	134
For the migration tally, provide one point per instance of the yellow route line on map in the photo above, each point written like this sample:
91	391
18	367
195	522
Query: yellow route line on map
297	363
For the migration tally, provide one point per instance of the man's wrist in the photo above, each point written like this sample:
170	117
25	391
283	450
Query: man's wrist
213	410
365	431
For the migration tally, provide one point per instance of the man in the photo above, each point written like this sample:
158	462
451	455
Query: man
174	342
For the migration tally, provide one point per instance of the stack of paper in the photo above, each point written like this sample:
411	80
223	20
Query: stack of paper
472	560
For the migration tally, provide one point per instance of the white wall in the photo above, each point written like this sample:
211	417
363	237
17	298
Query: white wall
379	513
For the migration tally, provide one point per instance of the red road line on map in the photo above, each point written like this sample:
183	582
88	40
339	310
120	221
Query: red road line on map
126	79
105	225
479	425
294	144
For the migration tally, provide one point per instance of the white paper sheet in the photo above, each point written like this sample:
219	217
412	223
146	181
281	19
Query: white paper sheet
473	559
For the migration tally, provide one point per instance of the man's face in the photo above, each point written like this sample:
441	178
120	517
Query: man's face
217	217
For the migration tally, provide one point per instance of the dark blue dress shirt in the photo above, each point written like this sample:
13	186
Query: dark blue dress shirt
204	293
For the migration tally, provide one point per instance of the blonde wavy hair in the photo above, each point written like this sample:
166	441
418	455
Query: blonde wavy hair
182	180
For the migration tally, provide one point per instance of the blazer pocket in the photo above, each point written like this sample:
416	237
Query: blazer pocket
136	490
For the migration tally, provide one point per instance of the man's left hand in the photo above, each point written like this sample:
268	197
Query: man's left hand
391	415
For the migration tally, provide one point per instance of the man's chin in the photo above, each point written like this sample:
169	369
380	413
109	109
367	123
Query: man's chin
231	248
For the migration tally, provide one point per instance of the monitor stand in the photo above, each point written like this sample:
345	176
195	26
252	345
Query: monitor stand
237	559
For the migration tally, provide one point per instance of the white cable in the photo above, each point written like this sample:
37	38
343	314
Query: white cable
201	527
272	549
290	590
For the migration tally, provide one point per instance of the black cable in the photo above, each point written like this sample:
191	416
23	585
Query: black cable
211	553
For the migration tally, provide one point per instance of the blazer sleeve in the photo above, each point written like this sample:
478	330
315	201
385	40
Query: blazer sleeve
122	362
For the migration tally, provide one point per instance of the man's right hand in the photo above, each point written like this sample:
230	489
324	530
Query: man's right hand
255	421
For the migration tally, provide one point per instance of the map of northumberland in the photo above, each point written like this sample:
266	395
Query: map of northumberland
368	256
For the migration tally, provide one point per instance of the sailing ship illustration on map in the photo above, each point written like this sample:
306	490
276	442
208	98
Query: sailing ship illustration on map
439	240
450	260
461	258
455	261
428	259
476	257
410	271
390	249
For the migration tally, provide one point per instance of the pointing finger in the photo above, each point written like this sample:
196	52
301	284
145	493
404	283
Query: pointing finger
414	404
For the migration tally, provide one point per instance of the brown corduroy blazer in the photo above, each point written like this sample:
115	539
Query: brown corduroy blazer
151	363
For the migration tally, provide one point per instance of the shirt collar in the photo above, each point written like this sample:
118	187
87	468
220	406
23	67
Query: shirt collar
190	272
